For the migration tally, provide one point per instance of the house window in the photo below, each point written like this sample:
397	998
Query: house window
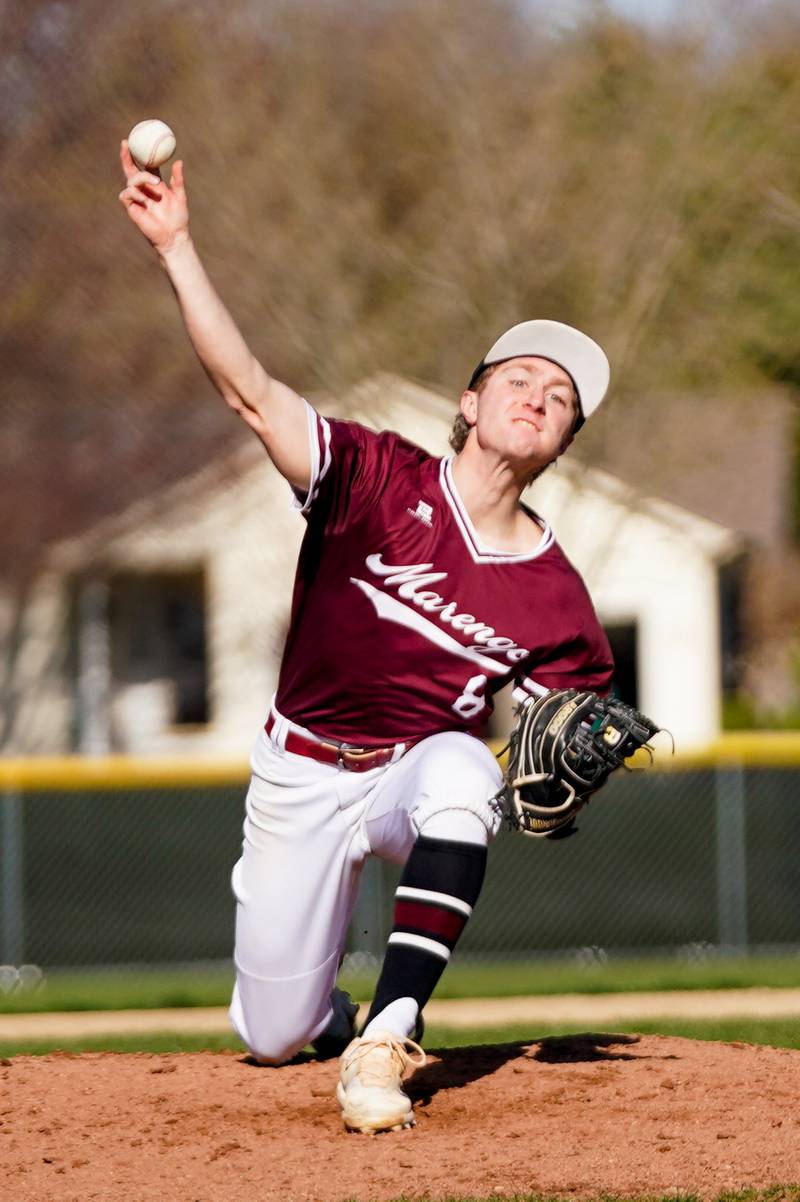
158	635
623	639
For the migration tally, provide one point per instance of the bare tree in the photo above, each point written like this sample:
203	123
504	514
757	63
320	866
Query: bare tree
385	185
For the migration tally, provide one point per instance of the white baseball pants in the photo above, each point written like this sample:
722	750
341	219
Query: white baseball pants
307	832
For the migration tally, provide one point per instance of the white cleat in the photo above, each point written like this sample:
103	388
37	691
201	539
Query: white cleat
369	1090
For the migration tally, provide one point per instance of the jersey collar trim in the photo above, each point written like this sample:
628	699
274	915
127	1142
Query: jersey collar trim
480	552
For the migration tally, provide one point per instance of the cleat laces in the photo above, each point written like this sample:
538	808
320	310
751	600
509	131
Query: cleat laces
382	1070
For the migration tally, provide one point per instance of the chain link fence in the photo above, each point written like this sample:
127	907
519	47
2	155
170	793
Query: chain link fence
97	871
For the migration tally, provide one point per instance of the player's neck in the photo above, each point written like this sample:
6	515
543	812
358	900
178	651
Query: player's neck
491	495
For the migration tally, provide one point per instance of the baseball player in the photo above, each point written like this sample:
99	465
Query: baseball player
423	586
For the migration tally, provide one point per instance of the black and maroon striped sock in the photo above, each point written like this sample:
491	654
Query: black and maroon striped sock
438	889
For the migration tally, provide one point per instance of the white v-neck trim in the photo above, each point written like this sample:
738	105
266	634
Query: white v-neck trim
479	550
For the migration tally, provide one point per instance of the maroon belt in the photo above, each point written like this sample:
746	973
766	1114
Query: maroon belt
341	755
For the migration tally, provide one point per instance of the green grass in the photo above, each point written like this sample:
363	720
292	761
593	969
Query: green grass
122	989
779	1033
518	979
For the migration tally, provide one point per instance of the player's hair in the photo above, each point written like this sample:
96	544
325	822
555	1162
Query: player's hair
461	427
459	432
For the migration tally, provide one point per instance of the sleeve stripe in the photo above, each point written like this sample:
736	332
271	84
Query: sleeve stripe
318	432
326	434
534	689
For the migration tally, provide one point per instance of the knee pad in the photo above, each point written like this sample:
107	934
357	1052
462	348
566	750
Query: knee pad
461	826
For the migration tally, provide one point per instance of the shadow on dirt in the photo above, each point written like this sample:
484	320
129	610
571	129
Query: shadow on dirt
457	1067
576	1049
589	1046
300	1058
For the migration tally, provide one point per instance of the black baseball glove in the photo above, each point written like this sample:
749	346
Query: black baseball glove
564	746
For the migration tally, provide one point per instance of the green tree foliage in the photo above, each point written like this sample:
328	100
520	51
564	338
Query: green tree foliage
383	185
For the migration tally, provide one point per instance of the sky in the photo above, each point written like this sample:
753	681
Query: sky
648	11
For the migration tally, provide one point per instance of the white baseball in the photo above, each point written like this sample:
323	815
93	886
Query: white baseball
151	143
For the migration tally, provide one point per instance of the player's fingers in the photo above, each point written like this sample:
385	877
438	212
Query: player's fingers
145	179
126	159
176	181
145	193
129	197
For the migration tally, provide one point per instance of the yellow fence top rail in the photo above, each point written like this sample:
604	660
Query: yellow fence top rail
119	772
768	749
748	748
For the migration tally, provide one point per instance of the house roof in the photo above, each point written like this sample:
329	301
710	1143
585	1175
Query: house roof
384	401
66	471
726	458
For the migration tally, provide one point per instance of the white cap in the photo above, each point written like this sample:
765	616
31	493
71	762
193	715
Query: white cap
577	353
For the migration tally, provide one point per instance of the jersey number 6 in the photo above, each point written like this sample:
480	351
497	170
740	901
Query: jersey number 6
472	700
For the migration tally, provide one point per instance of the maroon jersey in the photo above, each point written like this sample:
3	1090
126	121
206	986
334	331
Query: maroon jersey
404	624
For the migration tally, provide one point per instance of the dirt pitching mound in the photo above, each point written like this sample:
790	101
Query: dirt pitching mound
579	1115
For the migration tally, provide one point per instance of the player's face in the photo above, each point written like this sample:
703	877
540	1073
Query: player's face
525	411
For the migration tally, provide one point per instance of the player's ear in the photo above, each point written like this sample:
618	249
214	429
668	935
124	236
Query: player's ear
469	406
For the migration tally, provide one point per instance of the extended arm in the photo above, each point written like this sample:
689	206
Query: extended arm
275	412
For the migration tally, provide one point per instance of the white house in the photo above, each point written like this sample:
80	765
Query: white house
159	631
